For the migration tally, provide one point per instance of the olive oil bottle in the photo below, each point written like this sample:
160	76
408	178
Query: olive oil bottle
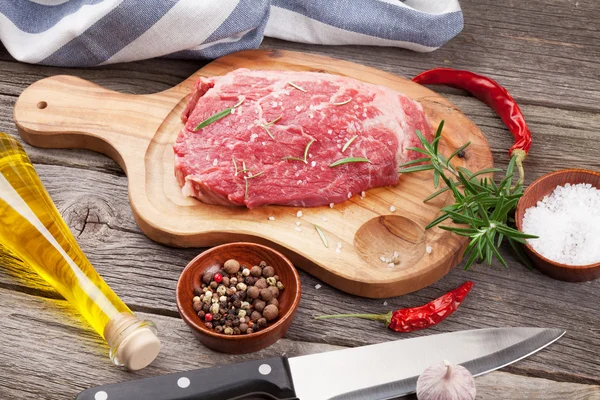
32	228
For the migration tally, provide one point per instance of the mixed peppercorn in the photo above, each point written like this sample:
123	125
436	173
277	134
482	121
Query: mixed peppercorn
238	300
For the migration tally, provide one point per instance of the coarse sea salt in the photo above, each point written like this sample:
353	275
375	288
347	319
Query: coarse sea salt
567	223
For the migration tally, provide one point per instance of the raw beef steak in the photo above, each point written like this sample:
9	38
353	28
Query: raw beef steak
277	114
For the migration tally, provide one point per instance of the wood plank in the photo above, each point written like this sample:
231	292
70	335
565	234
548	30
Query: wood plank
512	297
75	358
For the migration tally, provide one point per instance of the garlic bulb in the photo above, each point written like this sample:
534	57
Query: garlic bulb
444	381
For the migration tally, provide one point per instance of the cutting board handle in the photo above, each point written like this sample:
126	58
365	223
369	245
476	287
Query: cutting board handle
68	112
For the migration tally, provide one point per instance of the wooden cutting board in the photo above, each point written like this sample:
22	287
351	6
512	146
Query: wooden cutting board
138	132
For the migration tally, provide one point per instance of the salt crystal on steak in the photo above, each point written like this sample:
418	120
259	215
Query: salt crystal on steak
385	128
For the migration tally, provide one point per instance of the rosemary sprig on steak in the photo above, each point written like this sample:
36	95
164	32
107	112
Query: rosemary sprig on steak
484	206
220	115
350	160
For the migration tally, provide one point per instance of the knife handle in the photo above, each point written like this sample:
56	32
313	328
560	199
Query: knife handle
263	379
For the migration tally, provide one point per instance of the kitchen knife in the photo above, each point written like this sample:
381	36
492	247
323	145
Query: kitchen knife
379	372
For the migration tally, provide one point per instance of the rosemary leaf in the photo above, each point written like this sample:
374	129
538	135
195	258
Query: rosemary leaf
292	84
322	235
274	121
343	102
426	167
306	150
350	160
266	128
214	118
461	148
295	159
255	175
235	166
348	143
239	103
246	193
436	194
413	162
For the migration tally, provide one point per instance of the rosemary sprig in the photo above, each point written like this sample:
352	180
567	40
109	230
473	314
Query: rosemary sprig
484	206
350	160
220	115
322	235
304	159
292	84
348	143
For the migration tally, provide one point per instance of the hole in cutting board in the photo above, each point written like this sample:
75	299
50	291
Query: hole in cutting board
384	235
42	104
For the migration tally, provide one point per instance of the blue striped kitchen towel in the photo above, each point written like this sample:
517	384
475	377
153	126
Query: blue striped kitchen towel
95	32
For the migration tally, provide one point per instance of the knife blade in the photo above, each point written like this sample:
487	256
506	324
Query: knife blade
379	372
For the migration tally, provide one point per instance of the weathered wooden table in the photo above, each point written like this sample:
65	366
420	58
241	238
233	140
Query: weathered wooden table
546	52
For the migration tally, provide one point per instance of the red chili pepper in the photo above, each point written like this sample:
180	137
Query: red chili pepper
415	318
491	93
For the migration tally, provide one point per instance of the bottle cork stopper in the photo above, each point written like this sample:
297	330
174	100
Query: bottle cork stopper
138	349
132	342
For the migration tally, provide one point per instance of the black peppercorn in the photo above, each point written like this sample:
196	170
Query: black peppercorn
219	329
262	264
249	281
206	307
223	310
198	291
201	314
197	306
242	295
217	317
229	323
230	317
236	331
262	323
236	322
213	285
209	325
237	303
249	331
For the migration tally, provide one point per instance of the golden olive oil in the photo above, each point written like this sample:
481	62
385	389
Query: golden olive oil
32	228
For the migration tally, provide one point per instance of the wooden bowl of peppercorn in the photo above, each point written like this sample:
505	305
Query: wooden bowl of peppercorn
220	271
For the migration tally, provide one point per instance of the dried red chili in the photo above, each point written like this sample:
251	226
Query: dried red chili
415	318
491	93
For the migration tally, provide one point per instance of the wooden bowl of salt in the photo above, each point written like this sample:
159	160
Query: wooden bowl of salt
563	209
